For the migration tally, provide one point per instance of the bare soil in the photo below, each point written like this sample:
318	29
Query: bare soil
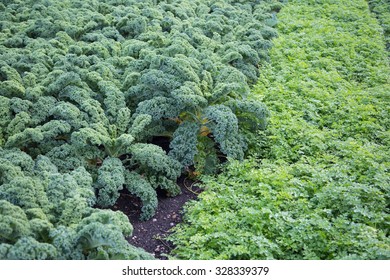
151	235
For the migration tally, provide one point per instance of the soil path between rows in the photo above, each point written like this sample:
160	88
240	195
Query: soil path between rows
150	235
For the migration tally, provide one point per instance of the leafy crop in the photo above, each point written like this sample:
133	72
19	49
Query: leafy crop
85	86
45	214
382	10
318	187
90	83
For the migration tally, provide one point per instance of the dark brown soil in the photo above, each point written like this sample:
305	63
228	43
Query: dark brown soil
150	235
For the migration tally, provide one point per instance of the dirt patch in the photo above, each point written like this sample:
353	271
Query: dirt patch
150	235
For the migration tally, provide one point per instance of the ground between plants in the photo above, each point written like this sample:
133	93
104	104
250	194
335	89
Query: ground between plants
151	234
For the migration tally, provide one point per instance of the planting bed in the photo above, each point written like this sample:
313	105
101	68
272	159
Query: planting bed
87	87
151	234
281	108
317	185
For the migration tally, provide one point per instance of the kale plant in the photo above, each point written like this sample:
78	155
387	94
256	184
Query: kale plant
45	214
90	83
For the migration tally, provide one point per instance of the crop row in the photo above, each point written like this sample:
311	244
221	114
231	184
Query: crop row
317	186
84	88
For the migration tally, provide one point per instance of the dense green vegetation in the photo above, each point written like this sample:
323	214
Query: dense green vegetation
317	186
45	214
381	8
86	85
90	83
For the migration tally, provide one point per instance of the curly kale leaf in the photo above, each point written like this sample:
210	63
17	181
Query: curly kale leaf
110	181
65	241
224	126
25	192
13	222
28	248
139	126
184	143
152	160
48	215
251	114
98	135
38	134
102	236
159	107
140	187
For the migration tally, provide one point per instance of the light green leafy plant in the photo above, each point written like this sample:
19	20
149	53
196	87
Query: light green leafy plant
318	187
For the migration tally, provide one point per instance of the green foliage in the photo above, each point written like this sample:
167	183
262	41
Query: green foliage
137	185
381	8
14	222
277	211
48	215
110	181
224	125
184	143
206	160
103	71
317	186
27	248
85	85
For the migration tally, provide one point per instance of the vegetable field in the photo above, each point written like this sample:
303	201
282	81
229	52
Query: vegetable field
278	109
318	186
